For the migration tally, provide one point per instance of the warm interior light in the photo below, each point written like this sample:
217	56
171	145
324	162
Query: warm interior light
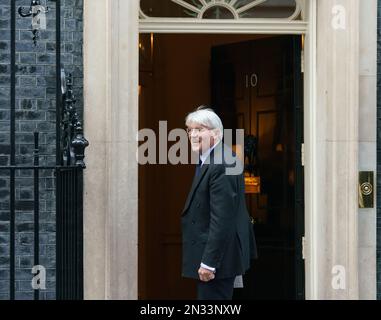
152	40
252	184
279	147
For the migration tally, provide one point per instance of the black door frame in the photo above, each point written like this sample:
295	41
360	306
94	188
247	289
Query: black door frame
299	169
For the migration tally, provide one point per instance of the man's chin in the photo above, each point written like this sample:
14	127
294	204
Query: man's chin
196	148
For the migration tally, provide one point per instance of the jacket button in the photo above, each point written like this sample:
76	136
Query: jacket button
193	222
193	242
198	205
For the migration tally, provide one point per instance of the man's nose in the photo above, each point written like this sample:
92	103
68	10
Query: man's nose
194	133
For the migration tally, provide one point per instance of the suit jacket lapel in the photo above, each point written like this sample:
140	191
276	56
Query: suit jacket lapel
196	182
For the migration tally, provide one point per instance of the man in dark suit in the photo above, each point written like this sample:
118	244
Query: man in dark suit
218	237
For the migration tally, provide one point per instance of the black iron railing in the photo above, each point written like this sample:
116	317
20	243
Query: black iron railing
69	182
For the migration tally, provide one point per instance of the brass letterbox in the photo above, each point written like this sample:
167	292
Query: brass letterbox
366	189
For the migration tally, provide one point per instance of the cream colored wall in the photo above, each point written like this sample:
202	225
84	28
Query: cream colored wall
337	142
95	176
111	118
346	141
367	218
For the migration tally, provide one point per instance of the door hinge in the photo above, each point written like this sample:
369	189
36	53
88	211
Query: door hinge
302	61
304	248
302	154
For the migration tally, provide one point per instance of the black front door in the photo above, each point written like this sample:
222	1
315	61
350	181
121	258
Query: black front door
257	86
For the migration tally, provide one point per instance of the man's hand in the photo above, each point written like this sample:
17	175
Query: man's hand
205	274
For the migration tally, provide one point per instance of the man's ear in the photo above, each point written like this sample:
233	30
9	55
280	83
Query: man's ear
216	133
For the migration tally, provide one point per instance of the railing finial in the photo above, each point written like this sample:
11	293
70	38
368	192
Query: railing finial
74	142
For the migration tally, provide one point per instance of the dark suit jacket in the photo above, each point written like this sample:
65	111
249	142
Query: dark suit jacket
216	227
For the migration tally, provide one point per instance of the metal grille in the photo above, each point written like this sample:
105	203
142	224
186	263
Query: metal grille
69	234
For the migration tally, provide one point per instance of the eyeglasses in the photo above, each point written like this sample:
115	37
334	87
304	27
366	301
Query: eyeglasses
196	130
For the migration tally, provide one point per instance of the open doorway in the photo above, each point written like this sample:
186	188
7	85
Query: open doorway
254	83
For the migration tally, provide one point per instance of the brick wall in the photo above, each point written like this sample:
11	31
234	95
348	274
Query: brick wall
35	110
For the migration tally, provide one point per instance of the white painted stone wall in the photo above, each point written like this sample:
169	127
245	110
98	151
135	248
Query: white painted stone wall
111	123
337	109
368	145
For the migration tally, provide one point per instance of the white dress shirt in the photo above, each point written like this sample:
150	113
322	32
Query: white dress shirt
206	154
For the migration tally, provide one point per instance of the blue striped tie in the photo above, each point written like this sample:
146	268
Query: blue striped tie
198	167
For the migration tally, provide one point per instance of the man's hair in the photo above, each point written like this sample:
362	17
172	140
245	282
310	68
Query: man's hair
206	117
